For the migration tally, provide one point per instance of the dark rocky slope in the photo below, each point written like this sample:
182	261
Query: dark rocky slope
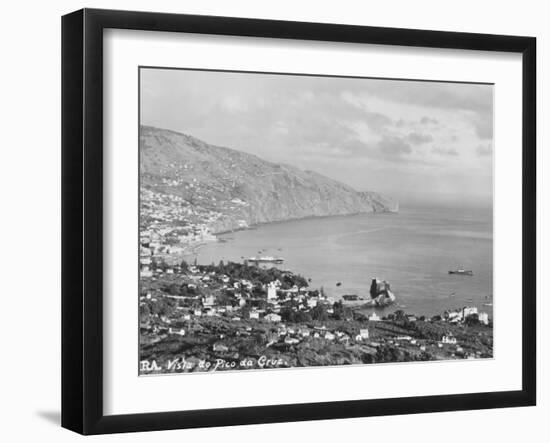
243	188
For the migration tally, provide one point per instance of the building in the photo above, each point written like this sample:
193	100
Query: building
483	318
145	262
209	301
469	310
218	347
291	340
272	291
177	332
449	340
254	315
312	302
453	316
273	317
364	333
374	317
145	272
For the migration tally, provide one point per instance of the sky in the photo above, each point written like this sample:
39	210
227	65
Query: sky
413	141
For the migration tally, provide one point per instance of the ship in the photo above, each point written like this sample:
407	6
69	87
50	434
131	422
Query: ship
265	259
461	272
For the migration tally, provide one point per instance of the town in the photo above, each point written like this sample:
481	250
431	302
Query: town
230	316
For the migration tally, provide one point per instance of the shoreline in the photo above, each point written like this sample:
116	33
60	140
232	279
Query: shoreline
307	217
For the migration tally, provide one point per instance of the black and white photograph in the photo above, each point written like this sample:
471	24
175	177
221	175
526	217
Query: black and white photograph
294	221
275	222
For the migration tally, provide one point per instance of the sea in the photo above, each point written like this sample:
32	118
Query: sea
413	250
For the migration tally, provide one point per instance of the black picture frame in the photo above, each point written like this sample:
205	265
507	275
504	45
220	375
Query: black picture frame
82	218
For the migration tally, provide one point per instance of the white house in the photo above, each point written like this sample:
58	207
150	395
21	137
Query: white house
218	347
312	302
483	318
209	301
145	272
374	317
469	310
273	317
291	340
254	315
272	291
454	316
403	337
364	333
448	339
177	332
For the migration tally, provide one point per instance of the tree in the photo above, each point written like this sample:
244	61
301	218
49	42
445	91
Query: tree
302	317
319	313
144	312
472	320
340	311
173	289
399	315
184	266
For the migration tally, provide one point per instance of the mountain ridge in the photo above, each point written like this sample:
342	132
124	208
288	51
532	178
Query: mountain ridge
239	189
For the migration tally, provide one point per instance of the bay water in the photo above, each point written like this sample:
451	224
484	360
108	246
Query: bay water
413	250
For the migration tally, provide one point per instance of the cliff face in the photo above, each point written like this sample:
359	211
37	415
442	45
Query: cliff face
243	188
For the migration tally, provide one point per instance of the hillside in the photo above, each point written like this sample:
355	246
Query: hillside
238	189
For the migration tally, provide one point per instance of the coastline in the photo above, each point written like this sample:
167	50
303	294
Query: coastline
221	335
353	248
308	217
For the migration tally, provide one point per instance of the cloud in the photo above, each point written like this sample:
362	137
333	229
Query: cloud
484	150
477	98
428	121
445	152
393	146
358	148
483	126
418	139
342	127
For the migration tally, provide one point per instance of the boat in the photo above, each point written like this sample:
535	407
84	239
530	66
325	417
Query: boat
266	259
461	272
350	297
